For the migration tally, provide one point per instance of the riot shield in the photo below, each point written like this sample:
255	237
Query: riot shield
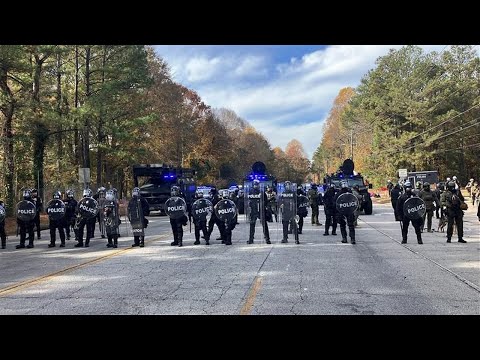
26	210
101	220
87	208
2	213
255	213
346	204
414	208
55	209
111	218
202	210
135	216
225	210
287	211
176	207
302	205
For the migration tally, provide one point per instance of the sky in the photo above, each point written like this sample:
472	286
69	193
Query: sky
284	91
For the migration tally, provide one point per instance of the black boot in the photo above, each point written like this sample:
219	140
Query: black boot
51	245
79	244
142	242
344	240
197	242
115	242
284	240
404	241
352	240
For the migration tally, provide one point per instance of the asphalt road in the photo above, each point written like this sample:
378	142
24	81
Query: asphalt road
377	275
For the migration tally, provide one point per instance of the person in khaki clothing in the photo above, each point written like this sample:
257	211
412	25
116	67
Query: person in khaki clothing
431	201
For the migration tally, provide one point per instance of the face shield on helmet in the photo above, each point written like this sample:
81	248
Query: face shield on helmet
256	184
343	184
27	194
451	185
69	194
57	195
199	194
136	191
109	196
175	191
87	193
426	186
288	186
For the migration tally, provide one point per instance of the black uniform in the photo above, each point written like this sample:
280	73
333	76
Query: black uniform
214	220
394	195
255	214
177	227
70	207
330	211
417	223
39	206
302	212
451	200
89	223
201	224
343	220
3	235
54	225
288	219
140	240
26	226
111	222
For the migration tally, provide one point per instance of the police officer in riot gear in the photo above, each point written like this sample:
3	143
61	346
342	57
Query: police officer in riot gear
254	215
394	195
272	201
215	198
70	208
3	235
315	199
431	202
416	223
288	219
451	201
302	211
345	220
111	219
201	224
140	240
227	227
26	226
57	224
177	224
330	209
39	206
89	223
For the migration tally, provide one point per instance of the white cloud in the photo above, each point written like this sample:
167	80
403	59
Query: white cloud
286	104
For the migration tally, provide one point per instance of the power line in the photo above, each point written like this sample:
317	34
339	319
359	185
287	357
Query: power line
462	127
461	148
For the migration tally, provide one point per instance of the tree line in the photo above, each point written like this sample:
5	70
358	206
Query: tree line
107	107
414	110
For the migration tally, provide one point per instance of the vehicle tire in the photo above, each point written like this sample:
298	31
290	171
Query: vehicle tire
368	207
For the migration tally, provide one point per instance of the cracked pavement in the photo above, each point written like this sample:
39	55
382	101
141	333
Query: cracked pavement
320	276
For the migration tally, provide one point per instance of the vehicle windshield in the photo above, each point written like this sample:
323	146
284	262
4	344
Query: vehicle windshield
159	184
351	182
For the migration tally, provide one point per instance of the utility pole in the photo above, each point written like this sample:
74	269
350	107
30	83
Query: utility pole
351	144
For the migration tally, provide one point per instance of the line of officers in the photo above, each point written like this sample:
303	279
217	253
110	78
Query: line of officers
80	216
445	201
290	208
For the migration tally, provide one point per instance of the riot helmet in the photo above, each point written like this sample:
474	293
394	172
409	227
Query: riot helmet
198	194
34	192
426	186
225	194
175	190
313	186
418	185
451	185
27	194
288	186
136	191
256	184
69	194
269	188
87	193
408	187
109	195
343	184
100	190
57	194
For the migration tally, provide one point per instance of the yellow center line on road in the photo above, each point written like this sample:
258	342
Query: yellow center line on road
247	307
27	283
